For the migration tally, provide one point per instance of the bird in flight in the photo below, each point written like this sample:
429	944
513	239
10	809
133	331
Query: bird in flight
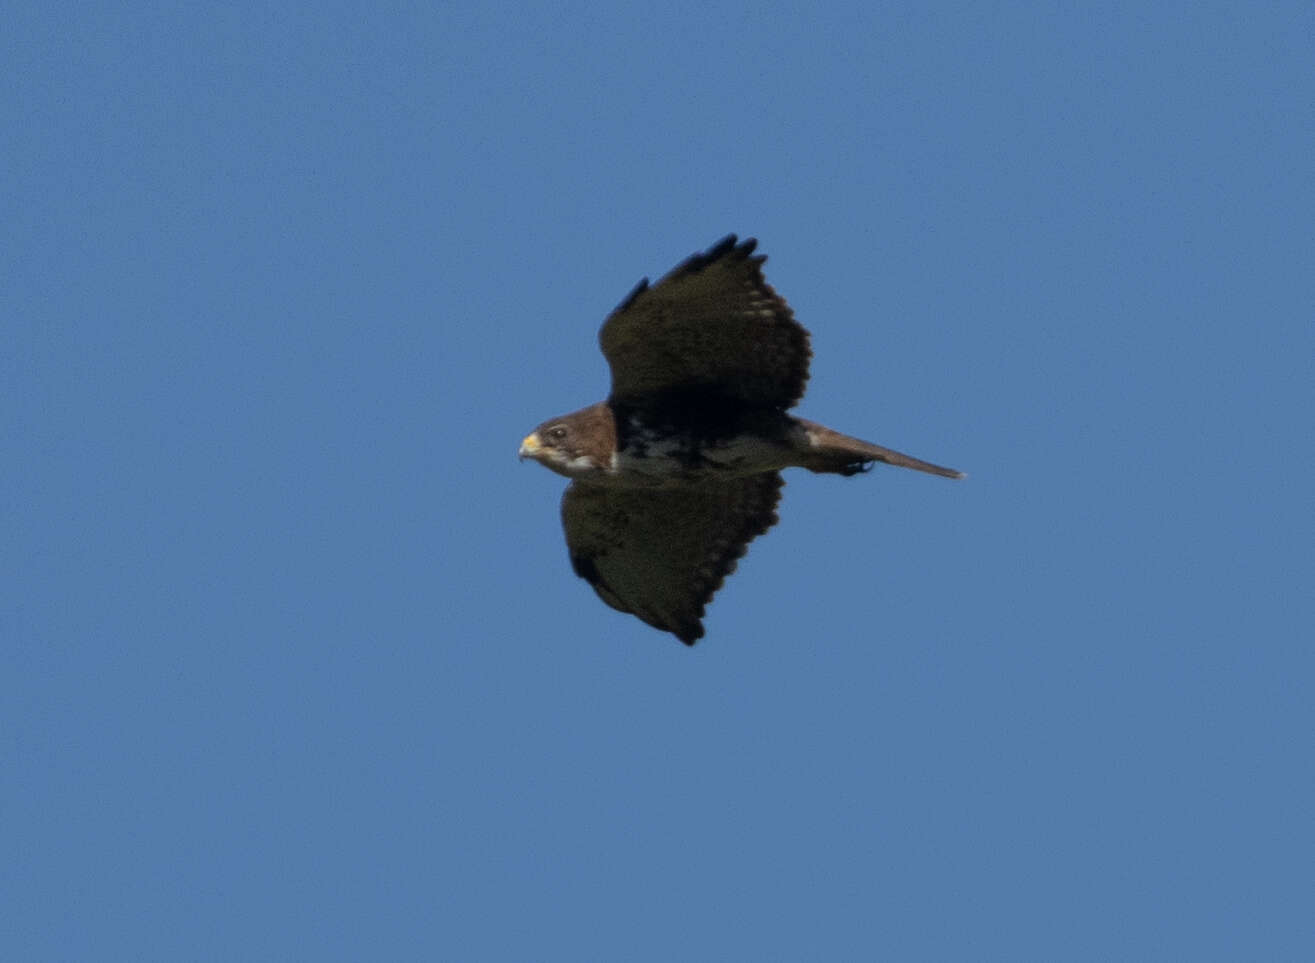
680	468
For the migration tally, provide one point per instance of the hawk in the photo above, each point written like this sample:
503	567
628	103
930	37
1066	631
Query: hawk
680	468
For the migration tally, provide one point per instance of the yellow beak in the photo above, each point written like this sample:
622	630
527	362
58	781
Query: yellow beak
530	446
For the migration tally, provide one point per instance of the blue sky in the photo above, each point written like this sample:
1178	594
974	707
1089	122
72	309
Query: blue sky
295	666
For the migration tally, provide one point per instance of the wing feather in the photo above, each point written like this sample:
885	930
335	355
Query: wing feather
711	323
661	554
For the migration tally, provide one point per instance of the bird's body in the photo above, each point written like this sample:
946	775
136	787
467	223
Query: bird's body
679	468
637	451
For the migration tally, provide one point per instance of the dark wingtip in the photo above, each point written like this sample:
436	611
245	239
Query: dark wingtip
728	246
584	567
727	243
639	289
689	635
699	260
741	251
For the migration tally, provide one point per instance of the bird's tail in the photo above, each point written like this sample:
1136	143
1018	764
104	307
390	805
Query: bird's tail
831	452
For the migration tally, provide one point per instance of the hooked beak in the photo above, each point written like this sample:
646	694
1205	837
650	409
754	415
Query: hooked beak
530	447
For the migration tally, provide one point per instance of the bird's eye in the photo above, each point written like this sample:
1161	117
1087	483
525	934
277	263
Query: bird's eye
556	433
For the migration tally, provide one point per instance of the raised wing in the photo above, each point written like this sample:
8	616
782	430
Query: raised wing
712	325
661	554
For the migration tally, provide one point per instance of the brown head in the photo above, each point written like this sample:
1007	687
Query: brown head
577	445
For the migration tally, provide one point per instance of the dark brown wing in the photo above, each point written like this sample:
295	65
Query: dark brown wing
712	323
661	554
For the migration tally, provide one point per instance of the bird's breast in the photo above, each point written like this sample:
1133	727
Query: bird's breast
657	458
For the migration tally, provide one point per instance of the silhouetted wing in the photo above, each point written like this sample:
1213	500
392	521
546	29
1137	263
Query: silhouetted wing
712	324
661	554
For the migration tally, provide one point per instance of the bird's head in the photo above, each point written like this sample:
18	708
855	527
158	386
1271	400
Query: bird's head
577	445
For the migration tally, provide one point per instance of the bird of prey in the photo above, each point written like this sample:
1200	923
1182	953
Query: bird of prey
680	468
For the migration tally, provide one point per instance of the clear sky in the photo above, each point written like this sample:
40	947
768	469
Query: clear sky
294	664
